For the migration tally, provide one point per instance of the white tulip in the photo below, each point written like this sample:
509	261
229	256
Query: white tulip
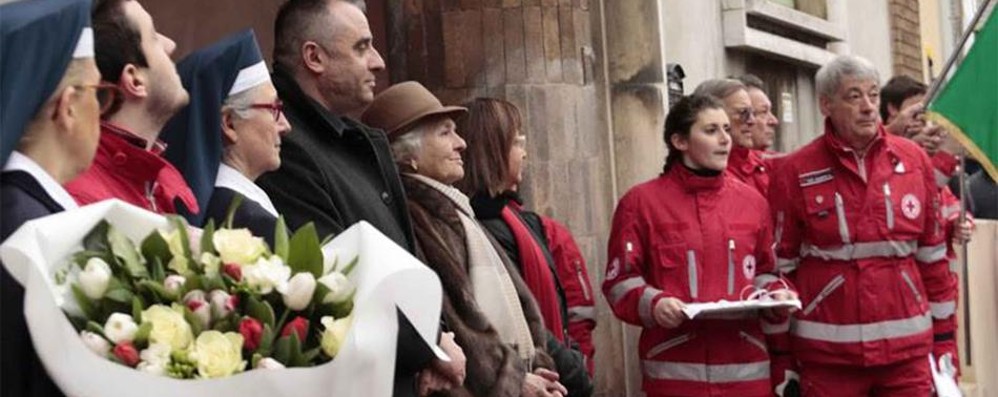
269	363
221	303
297	293
173	283
96	343
120	328
340	287
94	278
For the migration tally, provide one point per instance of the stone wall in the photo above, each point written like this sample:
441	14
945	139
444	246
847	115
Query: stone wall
906	38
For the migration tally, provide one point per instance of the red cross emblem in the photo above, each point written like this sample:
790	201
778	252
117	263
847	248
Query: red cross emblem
910	206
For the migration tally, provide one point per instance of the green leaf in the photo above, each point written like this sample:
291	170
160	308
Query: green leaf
349	267
282	349
207	235
96	240
86	305
125	251
320	292
230	212
255	359
96	328
260	310
310	355
281	244
137	308
327	239
142	334
180	225
158	270
157	290
120	295
194	282
155	247
266	341
305	254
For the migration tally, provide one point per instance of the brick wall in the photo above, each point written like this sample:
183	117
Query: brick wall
906	38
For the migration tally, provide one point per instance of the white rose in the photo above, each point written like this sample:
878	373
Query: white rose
120	328
94	278
334	334
238	246
168	326
266	274
340	287
173	283
95	343
218	355
211	263
155	358
297	293
269	363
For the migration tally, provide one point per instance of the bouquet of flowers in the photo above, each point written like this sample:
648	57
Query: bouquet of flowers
170	310
206	309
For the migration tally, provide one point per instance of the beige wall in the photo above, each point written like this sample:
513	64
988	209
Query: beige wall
869	33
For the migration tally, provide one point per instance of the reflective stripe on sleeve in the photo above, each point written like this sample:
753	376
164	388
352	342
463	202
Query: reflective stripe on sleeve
931	254
942	310
950	210
784	265
864	250
645	308
858	333
941	178
623	287
691	263
695	372
581	313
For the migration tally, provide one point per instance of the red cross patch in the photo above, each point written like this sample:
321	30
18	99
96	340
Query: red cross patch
910	206
748	266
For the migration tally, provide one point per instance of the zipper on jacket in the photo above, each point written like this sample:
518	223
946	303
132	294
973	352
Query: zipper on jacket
661	347
831	287
753	340
582	281
840	212
911	284
889	205
691	263
731	266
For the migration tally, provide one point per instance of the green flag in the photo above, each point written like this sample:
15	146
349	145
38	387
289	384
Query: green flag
967	104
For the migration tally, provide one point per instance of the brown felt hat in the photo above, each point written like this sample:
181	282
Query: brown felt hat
402	105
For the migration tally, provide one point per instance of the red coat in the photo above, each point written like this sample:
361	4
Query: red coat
861	240
574	277
749	166
697	239
125	170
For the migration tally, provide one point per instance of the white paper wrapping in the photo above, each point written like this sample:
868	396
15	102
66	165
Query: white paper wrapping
386	276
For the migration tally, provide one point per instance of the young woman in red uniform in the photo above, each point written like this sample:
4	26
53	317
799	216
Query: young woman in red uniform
694	234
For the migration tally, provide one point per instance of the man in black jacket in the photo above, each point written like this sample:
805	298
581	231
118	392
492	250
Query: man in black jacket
335	171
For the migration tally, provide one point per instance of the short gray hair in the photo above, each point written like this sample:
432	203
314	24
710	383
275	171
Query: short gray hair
408	144
240	103
830	76
719	88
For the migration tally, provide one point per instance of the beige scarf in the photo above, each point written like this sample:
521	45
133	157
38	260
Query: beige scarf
494	291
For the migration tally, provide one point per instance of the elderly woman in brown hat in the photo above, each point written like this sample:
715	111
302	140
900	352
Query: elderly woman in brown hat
486	304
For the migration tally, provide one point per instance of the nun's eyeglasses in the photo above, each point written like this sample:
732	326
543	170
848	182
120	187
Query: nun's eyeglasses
107	94
275	108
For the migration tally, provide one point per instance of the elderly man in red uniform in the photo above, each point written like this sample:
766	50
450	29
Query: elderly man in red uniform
129	166
858	231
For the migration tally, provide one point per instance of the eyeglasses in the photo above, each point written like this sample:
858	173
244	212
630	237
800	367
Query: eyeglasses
275	108
107	94
745	115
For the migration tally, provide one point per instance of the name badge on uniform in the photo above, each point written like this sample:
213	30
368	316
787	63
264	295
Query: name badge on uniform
815	177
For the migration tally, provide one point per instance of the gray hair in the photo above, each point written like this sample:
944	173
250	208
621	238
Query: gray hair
408	144
829	77
240	103
719	88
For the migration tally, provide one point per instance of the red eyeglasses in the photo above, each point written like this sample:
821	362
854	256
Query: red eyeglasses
275	108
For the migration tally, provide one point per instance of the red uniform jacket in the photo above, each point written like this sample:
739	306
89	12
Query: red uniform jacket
125	170
861	240
571	267
697	239
749	166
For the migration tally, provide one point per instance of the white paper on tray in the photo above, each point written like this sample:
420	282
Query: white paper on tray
386	277
723	307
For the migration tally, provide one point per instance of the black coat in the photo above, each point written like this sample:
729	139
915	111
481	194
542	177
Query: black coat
21	372
250	214
335	172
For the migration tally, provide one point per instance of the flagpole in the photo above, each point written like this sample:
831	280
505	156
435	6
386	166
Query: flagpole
957	54
962	178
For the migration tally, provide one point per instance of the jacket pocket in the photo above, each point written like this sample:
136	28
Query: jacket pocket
754	341
669	344
670	267
825	214
832	285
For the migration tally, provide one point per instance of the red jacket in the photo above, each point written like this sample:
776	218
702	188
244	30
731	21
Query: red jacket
571	267
125	170
861	240
749	166
697	239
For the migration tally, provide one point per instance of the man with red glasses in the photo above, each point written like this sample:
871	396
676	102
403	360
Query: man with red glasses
48	125
744	163
128	166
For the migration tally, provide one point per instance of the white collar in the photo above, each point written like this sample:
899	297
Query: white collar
20	162
229	178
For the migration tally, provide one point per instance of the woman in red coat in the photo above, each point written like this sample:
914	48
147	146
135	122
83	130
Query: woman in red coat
693	234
